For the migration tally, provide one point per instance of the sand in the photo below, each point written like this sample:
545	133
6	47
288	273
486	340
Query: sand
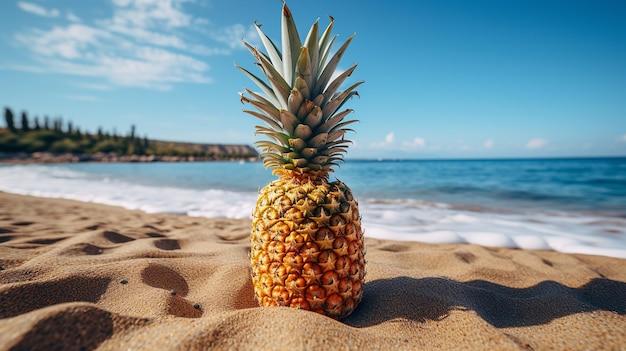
77	275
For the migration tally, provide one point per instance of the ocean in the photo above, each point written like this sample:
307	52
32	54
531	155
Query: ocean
568	205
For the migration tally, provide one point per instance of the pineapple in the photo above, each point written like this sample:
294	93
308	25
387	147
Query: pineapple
307	248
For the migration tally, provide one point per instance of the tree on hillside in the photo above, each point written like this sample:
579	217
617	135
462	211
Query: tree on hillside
37	125
57	124
25	126
46	123
10	119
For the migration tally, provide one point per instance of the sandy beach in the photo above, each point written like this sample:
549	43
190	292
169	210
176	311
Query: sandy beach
79	275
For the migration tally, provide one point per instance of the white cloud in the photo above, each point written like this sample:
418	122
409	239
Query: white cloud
72	17
145	13
68	42
389	141
37	10
488	144
416	143
390	138
536	143
145	43
232	35
623	138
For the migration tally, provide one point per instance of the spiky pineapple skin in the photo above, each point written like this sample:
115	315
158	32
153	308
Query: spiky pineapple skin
307	247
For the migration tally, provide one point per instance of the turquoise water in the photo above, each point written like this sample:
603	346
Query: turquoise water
557	184
572	205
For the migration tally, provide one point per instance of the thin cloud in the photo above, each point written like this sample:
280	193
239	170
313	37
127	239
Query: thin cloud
72	17
389	141
416	143
37	10
71	42
147	13
233	34
488	144
86	98
623	138
94	86
536	143
144	43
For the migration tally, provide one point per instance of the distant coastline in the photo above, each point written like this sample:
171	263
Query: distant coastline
48	157
50	140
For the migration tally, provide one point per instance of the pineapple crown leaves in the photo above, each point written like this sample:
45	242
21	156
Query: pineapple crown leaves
300	101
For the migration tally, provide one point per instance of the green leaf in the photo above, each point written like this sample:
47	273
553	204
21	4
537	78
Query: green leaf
314	118
302	131
297	144
271	49
264	118
303	68
324	43
269	92
291	44
334	120
301	85
268	146
279	86
270	110
330	67
311	43
294	101
337	101
289	121
336	83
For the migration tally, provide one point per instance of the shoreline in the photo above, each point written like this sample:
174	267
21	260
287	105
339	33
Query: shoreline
47	158
98	276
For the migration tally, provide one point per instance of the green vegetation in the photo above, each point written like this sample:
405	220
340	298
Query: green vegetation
52	137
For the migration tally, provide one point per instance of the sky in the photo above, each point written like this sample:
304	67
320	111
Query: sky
443	79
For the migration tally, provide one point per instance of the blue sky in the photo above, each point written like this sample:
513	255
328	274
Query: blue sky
443	79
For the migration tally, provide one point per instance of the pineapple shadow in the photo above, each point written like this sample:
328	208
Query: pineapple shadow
432	299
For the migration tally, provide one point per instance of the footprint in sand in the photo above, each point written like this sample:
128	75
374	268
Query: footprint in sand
92	249
5	238
22	224
162	277
394	248
167	244
82	249
465	256
116	238
46	241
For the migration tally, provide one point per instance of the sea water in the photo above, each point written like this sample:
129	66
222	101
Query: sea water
569	205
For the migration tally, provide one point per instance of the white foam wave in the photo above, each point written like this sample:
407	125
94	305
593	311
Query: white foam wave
395	219
409	220
63	183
